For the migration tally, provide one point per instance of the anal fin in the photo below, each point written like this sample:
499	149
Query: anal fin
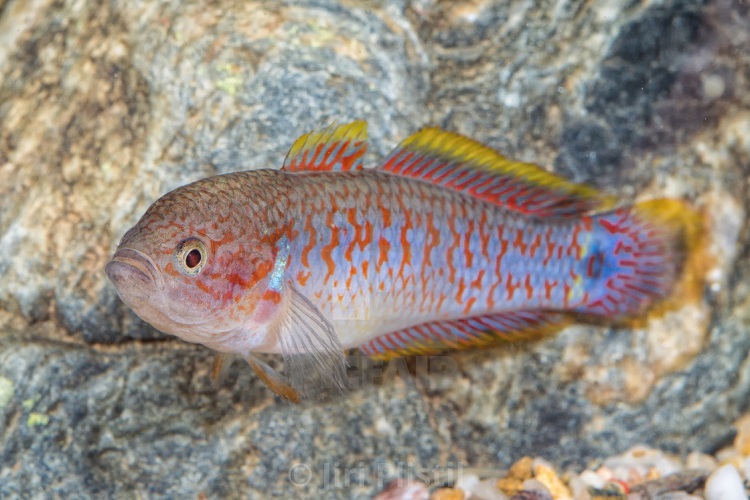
467	333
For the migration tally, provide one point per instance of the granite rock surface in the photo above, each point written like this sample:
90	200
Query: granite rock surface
106	106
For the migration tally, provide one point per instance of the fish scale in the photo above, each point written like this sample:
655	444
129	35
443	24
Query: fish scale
377	287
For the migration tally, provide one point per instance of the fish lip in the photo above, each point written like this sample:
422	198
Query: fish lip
138	262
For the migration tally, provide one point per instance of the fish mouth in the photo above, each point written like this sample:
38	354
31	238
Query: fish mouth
131	266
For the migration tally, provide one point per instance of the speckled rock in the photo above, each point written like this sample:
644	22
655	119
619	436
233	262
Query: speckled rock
104	107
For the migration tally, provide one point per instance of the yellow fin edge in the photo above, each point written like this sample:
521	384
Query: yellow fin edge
459	148
356	130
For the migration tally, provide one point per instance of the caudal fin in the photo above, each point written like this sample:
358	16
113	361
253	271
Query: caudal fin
647	257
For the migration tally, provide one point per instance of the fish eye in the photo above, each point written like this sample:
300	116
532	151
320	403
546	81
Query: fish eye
190	256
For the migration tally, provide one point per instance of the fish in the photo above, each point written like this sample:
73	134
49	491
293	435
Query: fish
445	245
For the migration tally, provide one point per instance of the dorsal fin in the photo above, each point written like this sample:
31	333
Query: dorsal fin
333	148
456	162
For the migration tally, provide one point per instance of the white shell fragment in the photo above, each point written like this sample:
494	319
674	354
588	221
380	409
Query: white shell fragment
725	484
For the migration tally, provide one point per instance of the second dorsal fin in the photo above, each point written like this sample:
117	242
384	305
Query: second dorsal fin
456	162
339	148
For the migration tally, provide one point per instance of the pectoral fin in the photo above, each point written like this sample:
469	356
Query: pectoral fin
313	355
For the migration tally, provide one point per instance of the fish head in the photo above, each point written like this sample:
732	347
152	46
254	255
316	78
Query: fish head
194	264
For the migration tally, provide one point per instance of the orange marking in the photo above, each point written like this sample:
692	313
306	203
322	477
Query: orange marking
431	240
351	216
383	248
519	243
272	296
455	242
348	161
302	277
327	251
620	247
461	290
236	279
312	237
365	267
535	245
325	162
441	299
529	288
261	271
574	246
510	287
499	258
550	246
484	235
215	294
352	274
491	295
469	304
405	243
548	287
477	283
318	150
566	294
467	243
385	213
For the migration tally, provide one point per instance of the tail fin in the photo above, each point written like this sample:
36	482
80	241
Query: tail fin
645	257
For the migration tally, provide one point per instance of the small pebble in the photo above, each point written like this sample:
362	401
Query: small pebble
467	483
403	489
634	465
678	495
522	469
512	483
447	494
698	460
592	479
578	488
725	484
546	475
742	440
509	485
730	456
532	495
610	491
536	485
487	490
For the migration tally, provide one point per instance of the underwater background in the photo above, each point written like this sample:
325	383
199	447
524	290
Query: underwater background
105	106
